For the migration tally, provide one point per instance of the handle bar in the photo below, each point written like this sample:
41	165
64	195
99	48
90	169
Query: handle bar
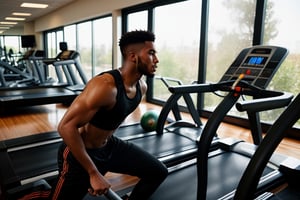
111	195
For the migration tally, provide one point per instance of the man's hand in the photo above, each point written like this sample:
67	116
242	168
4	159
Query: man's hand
99	185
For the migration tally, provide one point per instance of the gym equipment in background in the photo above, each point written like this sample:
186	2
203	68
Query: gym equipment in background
67	67
63	70
65	91
23	73
11	76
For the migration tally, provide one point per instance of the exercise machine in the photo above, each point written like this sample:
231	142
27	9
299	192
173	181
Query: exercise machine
219	171
70	84
177	141
173	139
11	76
290	169
28	164
67	70
67	67
260	61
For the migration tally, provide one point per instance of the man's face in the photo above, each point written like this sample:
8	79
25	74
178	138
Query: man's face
147	59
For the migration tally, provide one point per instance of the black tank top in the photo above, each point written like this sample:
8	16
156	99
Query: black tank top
112	118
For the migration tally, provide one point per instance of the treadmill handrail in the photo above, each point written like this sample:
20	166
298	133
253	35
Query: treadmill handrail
213	124
249	181
226	86
280	99
112	195
179	91
184	91
206	138
253	107
165	81
192	88
64	62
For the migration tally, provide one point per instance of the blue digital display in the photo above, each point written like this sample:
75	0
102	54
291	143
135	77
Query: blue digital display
256	60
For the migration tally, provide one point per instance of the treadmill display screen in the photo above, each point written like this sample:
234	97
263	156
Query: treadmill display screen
255	60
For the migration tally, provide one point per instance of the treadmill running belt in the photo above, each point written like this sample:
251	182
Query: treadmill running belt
226	170
33	165
174	187
165	144
129	130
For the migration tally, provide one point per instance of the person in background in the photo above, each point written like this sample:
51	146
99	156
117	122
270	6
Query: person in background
89	148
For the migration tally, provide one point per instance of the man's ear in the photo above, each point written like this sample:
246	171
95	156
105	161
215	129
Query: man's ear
133	57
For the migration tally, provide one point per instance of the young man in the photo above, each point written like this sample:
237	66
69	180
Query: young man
90	149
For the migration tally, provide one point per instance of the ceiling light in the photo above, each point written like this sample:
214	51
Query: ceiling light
15	18
8	22
21	14
1	32
4	27
34	5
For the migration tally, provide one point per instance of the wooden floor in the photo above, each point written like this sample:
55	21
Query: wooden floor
45	118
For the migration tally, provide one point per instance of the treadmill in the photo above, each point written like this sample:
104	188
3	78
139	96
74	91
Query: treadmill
177	141
173	139
214	174
290	169
28	164
64	92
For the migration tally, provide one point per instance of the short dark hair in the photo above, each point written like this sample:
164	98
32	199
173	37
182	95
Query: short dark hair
133	37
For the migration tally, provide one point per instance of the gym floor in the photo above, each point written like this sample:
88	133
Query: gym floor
39	119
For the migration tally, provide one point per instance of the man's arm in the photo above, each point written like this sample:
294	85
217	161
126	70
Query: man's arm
96	94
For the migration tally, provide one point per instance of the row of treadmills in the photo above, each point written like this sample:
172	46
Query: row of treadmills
35	86
201	165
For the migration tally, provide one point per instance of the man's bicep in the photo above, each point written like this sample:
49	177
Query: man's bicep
79	113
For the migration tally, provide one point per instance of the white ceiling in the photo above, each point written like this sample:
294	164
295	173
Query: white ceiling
7	7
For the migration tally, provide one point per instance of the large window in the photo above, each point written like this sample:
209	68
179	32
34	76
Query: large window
282	30
282	33
92	39
70	36
84	46
231	25
12	43
102	45
53	40
230	29
11	49
137	21
177	29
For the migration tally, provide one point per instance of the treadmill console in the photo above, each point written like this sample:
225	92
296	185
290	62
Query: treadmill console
258	64
67	55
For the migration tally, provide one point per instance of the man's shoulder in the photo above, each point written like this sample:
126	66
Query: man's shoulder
105	78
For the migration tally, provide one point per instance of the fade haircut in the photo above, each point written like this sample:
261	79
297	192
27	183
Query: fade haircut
134	37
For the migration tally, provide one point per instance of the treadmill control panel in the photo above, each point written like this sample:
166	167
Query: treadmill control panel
258	65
